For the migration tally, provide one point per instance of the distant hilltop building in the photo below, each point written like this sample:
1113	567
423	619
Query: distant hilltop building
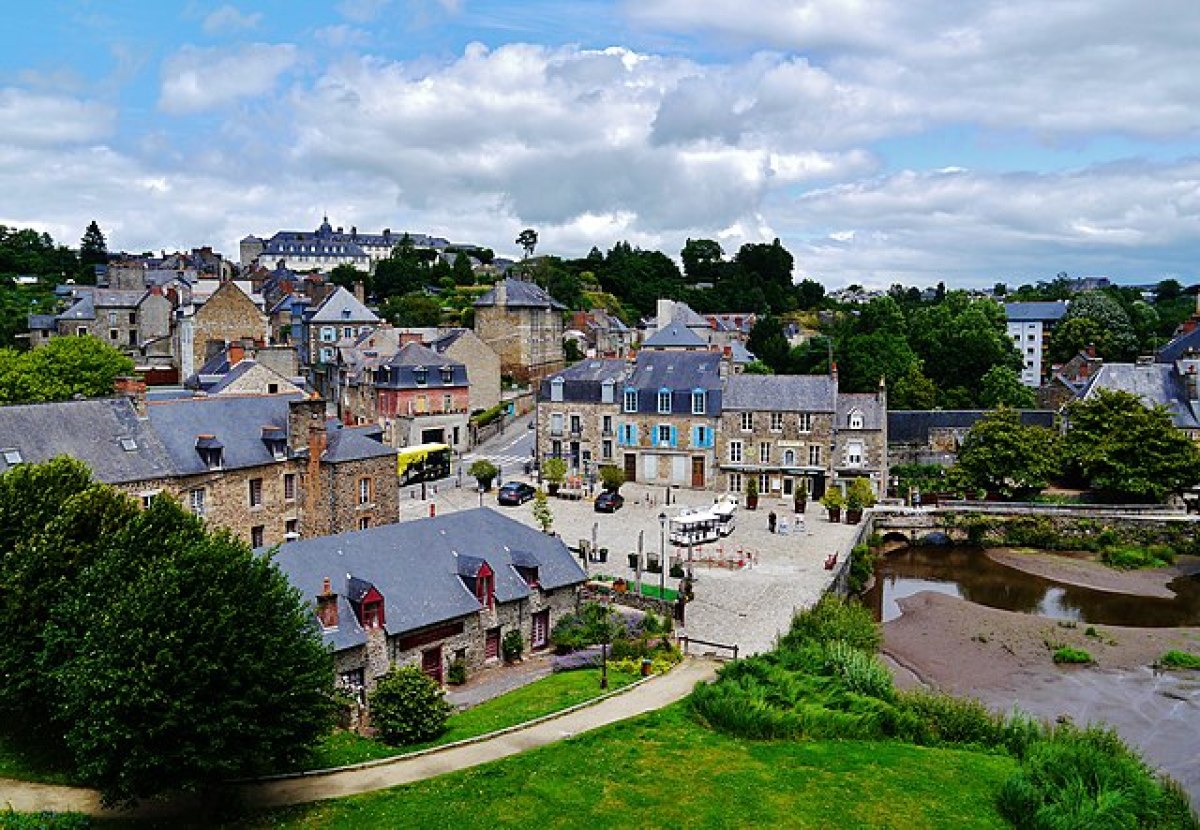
326	248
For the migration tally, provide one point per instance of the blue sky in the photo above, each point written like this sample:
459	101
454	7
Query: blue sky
880	141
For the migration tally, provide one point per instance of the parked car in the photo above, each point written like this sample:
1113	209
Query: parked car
609	502
515	492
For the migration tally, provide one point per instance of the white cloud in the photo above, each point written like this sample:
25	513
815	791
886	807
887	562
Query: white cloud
362	11
229	20
29	119
342	36
195	79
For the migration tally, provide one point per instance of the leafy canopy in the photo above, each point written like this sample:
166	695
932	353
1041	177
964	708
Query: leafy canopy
1002	455
60	370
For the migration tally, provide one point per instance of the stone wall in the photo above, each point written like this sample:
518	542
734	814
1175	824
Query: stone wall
788	438
483	369
229	316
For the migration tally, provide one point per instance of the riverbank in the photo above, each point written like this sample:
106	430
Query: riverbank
1083	569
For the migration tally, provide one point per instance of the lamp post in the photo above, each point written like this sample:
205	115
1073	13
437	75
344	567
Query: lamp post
662	556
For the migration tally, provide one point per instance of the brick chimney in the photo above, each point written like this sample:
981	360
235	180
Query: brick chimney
1091	350
360	292
134	388
237	353
407	337
1190	382
302	414
327	606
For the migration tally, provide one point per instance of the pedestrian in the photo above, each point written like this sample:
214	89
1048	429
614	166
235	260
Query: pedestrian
771	521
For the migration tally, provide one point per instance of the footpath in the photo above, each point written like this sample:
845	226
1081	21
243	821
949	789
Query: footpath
658	692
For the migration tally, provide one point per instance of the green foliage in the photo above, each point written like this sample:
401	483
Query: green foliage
862	566
487	416
456	673
611	477
1002	455
860	671
1002	386
1133	557
46	820
60	370
484	472
831	619
528	240
860	494
1066	654
554	470
1094	317
757	367
408	707
1175	659
833	498
347	275
541	511
512	646
1126	450
93	248
414	309
594	624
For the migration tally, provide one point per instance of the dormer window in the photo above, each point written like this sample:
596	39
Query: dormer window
607	392
631	400
211	451
485	587
447	375
345	313
367	603
664	402
421	375
697	401
855	421
556	390
275	440
12	457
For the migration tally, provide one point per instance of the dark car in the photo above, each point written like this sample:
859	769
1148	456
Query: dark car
515	492
608	502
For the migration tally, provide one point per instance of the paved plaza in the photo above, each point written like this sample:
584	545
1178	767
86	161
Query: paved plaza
748	606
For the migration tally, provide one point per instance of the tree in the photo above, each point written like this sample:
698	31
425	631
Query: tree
1001	386
867	357
408	707
768	344
700	260
528	240
347	275
611	477
554	470
462	272
1127	450
757	367
913	391
93	248
484	472
1002	455
412	310
404	271
541	511
60	370
809	293
1112	332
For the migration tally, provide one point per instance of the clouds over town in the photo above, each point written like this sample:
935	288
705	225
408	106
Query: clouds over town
881	141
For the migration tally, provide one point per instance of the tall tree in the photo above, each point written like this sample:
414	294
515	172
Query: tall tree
60	370
768	344
528	240
347	275
1002	455
412	310
1115	338
1001	386
1126	450
93	247
701	257
463	275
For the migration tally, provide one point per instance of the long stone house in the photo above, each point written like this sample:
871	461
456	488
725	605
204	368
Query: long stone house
433	591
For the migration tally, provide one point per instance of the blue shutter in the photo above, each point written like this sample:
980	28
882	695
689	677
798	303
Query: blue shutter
695	436
633	435
674	436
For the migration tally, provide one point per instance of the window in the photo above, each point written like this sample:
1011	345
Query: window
664	435
747	421
814	456
854	454
364	490
256	536
81	331
347	331
196	501
606	449
255	487
326	355
447	403
556	423
12	457
291	529
735	452
112	318
698	402
855	420
328	334
703	437
113	334
148	497
127	444
607	392
289	486
664	402
735	482
576	426
764	453
556	390
789	458
606	425
764	483
364	522
556	449
133	318
421	375
631	400
804	421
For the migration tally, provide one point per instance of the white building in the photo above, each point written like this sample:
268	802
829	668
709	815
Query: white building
1029	326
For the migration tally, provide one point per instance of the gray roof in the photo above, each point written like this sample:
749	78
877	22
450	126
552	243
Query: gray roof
790	393
519	293
674	336
82	309
401	371
739	353
415	566
676	370
117	298
342	306
1035	311
582	382
914	425
90	430
1184	344
42	322
353	443
681	312
1154	383
868	404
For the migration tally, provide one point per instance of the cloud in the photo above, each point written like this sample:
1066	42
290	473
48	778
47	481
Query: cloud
342	36
32	120
229	20
362	11
195	79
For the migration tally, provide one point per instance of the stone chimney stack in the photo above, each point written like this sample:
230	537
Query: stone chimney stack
237	353
303	414
134	388
360	292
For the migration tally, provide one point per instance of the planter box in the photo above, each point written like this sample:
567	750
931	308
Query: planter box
854	516
835	514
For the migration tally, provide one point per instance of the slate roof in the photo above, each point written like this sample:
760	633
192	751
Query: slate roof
521	294
676	370
1154	383
867	403
353	444
914	425
1177	348
42	322
780	393
683	313
582	382
739	353
401	370
90	430
675	336
82	309
415	566
341	306
1035	311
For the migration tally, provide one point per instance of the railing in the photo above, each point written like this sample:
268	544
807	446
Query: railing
687	641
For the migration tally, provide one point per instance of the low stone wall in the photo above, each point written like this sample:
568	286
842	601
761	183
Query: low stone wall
593	591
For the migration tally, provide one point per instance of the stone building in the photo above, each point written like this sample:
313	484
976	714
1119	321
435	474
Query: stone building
524	325
576	414
482	363
433	591
229	315
326	248
421	398
269	468
137	322
860	439
256	371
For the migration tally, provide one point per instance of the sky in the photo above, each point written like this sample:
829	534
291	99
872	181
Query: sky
913	141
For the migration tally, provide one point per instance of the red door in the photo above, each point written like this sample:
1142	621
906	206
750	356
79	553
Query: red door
541	630
431	663
630	467
491	646
698	471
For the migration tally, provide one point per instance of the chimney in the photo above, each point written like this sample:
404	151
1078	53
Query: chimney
407	337
1091	350
134	388
360	291
302	414
1193	388
327	608
237	353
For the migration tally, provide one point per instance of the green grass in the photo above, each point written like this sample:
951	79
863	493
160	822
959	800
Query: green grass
542	697
665	770
1133	557
31	764
1066	654
648	590
1176	659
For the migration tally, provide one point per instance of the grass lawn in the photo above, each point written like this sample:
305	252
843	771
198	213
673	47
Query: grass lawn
30	765
665	770
542	697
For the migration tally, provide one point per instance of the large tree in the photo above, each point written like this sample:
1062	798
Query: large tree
528	240
1001	386
412	310
1107	326
60	370
1002	455
161	656
1126	450
347	275
959	341
93	247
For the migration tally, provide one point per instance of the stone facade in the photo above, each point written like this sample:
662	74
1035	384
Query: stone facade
524	326
229	316
783	448
483	365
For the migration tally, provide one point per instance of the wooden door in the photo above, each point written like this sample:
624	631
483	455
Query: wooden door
698	471
540	636
630	466
431	663
491	646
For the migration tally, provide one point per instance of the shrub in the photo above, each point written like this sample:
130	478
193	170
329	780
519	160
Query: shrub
611	477
512	646
953	720
1180	660
833	499
860	671
832	618
407	706
860	495
1132	557
1066	654
457	673
593	624
46	820
484	472
862	566
554	470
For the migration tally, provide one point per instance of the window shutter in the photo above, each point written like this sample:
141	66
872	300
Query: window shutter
674	436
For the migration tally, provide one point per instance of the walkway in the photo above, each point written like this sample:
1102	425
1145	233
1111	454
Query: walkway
646	697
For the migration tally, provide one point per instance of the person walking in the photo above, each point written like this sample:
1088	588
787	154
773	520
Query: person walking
771	521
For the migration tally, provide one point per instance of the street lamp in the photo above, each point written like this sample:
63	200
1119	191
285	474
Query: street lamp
662	556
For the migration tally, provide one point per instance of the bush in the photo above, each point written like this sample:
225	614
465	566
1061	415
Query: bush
554	470
484	472
1179	660
831	619
1066	654
456	675
860	671
953	720
1132	557
611	478
488	415
407	707
593	624
512	646
862	566
46	820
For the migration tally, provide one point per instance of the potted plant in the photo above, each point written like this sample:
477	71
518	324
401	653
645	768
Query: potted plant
554	471
611	478
859	497
800	497
484	472
512	646
633	561
833	501
752	493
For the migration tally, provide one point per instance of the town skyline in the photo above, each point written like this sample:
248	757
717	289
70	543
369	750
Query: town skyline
879	143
